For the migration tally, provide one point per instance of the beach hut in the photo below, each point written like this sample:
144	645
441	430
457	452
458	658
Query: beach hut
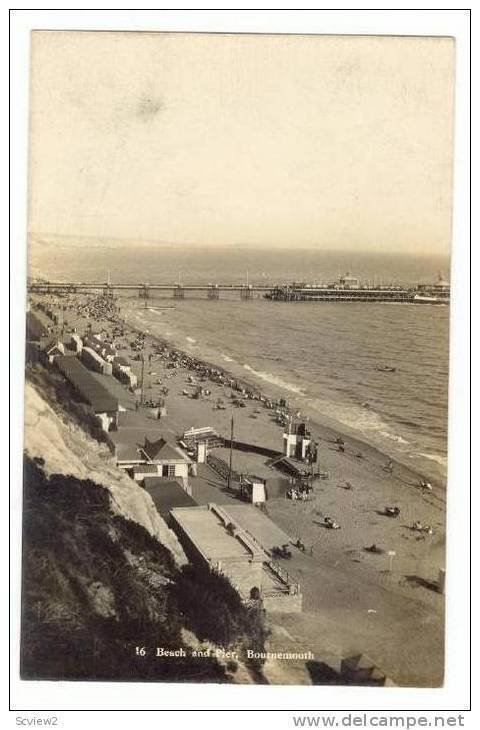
169	460
296	441
253	488
52	350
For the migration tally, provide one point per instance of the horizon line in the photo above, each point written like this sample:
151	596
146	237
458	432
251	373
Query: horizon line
151	242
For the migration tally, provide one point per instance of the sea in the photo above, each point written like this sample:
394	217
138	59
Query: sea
324	356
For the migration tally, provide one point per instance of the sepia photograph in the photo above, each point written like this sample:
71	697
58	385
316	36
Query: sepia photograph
237	358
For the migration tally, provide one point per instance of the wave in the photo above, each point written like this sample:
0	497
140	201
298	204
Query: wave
394	437
355	417
275	380
437	458
364	421
191	340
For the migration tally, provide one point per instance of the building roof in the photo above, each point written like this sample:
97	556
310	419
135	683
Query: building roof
116	390
119	360
128	452
167	494
97	344
137	421
161	449
250	479
49	344
88	387
37	326
54	345
129	438
133	445
208	534
256	523
290	467
93	354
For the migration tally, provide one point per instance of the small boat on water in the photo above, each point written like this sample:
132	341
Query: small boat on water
429	299
385	368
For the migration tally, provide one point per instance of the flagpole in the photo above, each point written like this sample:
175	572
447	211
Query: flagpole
143	371
231	449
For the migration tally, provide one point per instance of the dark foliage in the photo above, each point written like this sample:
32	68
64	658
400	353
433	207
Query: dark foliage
223	619
86	605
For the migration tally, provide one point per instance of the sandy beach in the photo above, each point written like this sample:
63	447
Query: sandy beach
385	605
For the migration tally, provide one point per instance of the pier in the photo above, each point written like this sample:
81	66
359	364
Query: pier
145	291
346	289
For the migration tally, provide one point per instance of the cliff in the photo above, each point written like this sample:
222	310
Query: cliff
66	448
102	574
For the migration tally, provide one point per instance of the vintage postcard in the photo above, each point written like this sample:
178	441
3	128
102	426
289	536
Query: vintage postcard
237	358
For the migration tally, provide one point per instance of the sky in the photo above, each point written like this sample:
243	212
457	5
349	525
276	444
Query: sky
326	142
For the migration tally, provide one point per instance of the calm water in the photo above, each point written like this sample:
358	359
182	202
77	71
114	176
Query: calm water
323	354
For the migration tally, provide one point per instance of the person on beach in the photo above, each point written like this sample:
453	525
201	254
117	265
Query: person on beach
300	545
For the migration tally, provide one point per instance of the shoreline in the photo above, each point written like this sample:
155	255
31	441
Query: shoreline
323	428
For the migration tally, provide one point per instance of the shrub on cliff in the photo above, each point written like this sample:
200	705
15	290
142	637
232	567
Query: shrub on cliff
214	610
94	587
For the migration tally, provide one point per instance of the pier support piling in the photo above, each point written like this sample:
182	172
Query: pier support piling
179	292
246	293
213	293
143	292
107	291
